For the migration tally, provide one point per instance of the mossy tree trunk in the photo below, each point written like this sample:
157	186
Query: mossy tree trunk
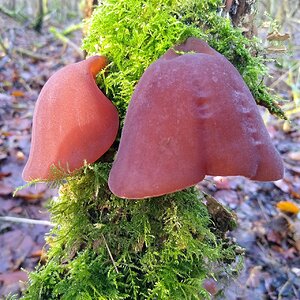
104	247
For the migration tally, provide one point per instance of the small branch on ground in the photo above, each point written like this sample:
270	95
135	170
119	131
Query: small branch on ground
27	221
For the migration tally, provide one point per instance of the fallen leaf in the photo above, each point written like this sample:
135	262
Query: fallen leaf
4	174
222	183
6	258
282	185
9	278
13	281
276	36
254	277
20	156
295	227
6	133
294	168
295	194
286	127
286	253
41	254
17	247
296	271
297	245
7	204
279	224
211	286
37	253
30	196
16	210
17	93
290	253
294	155
274	237
288	207
276	49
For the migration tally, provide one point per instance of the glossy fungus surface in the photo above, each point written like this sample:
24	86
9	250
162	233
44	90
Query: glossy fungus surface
191	115
73	121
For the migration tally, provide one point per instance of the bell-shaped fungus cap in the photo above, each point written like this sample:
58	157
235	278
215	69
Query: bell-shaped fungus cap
73	121
191	115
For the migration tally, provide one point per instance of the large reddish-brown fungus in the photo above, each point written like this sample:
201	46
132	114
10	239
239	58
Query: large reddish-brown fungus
73	121
191	115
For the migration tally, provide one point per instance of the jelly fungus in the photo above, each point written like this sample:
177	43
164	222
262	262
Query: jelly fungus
73	121
191	115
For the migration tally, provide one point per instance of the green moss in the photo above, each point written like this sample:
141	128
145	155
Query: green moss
135	33
104	247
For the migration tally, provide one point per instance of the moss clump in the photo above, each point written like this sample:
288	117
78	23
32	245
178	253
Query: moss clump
134	33
104	247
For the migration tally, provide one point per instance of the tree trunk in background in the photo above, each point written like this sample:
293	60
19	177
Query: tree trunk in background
12	5
87	12
242	15
38	24
89	7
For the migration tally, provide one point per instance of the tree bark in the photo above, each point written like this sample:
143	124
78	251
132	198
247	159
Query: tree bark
38	24
89	7
242	15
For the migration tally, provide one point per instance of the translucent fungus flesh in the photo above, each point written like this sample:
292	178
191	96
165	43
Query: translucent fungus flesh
73	121
191	115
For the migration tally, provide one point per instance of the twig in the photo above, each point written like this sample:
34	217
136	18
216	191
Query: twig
65	40
267	254
27	221
31	54
282	289
262	208
24	83
278	80
110	255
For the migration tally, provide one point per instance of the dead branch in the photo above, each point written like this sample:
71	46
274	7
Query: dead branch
65	40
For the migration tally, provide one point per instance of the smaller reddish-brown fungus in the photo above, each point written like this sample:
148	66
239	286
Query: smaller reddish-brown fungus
73	121
191	115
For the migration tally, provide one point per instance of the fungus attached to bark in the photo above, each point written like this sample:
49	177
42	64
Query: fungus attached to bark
191	115
73	121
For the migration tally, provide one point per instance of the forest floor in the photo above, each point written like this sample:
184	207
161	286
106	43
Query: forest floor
271	237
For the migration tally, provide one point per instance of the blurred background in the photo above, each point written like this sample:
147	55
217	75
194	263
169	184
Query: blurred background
37	37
